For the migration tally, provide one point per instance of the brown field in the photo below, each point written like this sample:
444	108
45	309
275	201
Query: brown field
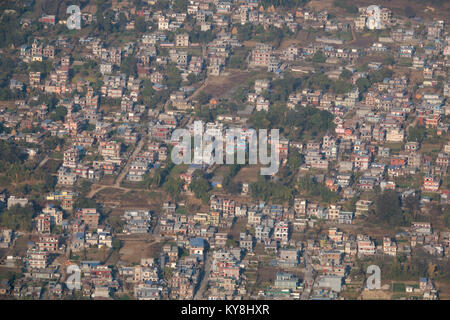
444	290
20	246
397	7
266	276
134	199
6	273
97	254
376	295
7	104
109	193
238	227
224	85
133	250
248	174
107	180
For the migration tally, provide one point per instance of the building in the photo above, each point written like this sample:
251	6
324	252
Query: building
182	40
261	55
285	280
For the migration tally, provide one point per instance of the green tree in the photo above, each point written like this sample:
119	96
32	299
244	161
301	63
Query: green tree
140	25
203	97
388	210
59	113
345	74
201	187
18	217
173	79
319	57
417	133
363	84
128	66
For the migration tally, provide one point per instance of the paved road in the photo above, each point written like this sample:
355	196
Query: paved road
204	281
309	278
124	171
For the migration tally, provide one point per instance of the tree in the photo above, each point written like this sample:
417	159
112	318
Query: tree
363	84
283	3
311	187
59	113
11	31
18	217
380	75
203	97
417	133
245	32
200	186
319	57
236	62
345	74
180	5
173	186
192	78
389	61
267	190
447	219
388	210
342	86
85	186
173	80
295	159
349	7
140	25
412	207
128	66
116	244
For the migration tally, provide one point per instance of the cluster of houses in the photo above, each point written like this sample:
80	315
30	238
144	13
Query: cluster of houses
110	132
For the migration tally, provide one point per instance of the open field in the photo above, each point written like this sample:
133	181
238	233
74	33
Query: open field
247	174
134	249
224	85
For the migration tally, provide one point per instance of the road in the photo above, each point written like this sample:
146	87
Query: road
43	162
204	281
309	278
124	171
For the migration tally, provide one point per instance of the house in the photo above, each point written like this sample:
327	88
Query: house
281	232
182	40
332	282
197	246
285	281
261	55
89	216
13	201
288	257
431	184
389	247
362	207
365	245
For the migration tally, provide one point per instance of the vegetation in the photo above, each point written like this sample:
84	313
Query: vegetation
200	186
388	209
18	218
267	190
308	186
300	124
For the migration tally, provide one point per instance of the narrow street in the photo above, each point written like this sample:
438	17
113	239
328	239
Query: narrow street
309	278
204	281
124	171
